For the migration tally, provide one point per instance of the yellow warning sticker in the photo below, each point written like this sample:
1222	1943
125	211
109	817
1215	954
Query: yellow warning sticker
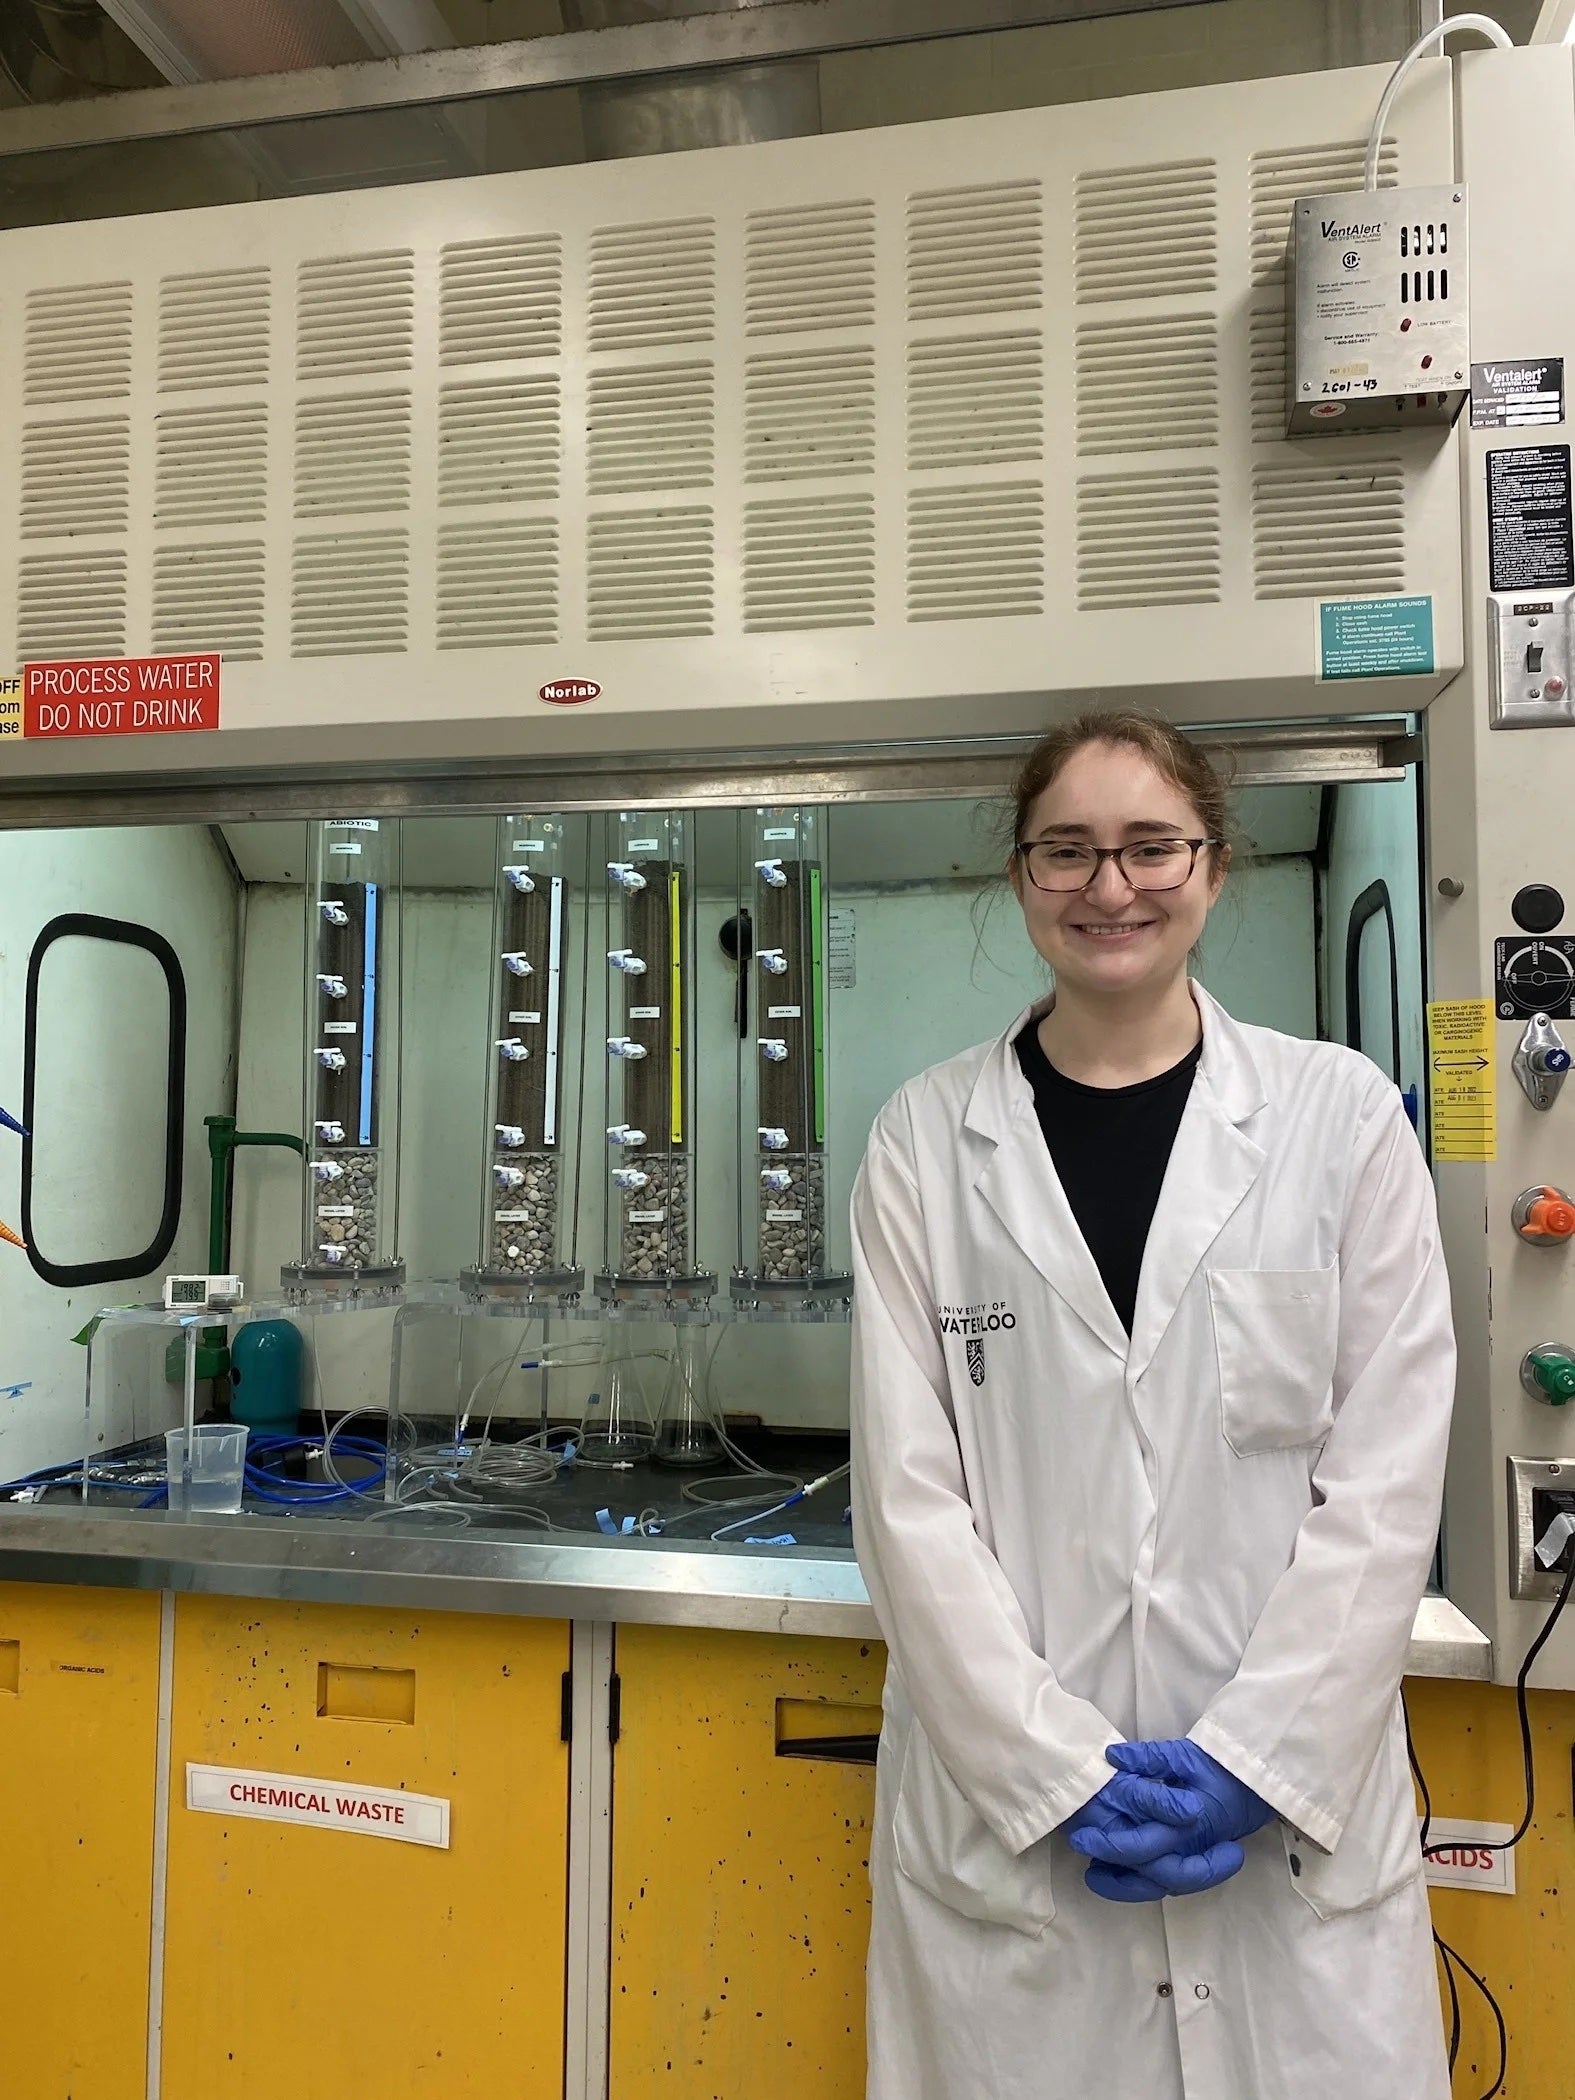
1462	1068
11	718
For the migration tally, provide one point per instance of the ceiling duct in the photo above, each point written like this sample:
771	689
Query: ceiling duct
194	40
738	106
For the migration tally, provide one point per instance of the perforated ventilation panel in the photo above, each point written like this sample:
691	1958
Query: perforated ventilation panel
809	269
77	343
76	477
350	594
651	574
653	284
808	563
1148	384
501	300
976	250
499	440
906	419
354	315
1148	539
211	466
650	428
497	585
1328	526
210	597
809	413
1148	231
213	330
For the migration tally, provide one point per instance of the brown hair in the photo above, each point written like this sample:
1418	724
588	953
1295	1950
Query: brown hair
1172	754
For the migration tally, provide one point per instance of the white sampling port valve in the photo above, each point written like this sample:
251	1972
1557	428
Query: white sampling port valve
770	873
523	880
626	875
513	1051
629	1179
777	1179
328	1170
773	962
334	987
509	1177
624	1134
330	1133
773	1049
510	1136
331	1060
518	965
626	960
332	1253
335	913
772	1139
624	1046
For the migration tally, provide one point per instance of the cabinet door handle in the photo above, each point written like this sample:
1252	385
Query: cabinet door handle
827	1732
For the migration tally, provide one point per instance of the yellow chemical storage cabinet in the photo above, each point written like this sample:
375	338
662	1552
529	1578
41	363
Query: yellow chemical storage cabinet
79	1693
331	1962
743	1790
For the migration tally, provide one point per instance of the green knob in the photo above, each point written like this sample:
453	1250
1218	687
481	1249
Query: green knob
1554	1372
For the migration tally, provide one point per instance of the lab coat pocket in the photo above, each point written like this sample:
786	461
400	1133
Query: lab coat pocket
946	1848
1276	1332
1379	1850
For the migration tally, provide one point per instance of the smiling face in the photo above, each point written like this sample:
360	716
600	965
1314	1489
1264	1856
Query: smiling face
1110	940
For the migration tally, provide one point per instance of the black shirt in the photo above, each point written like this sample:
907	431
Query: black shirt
1110	1147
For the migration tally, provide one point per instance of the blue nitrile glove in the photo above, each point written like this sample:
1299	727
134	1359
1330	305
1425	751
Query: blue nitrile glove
1171	1786
1100	1822
1170	1875
1179	1783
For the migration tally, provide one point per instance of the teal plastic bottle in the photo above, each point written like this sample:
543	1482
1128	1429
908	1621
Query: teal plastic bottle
267	1376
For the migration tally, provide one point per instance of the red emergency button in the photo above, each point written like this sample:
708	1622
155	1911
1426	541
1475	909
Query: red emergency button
1554	688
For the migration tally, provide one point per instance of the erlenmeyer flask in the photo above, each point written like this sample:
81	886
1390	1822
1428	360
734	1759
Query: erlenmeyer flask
619	1425
685	1434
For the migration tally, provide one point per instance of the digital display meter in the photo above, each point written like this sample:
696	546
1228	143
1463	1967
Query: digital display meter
201	1293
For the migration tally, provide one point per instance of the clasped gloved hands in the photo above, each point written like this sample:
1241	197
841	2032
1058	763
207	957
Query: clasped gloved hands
1170	1823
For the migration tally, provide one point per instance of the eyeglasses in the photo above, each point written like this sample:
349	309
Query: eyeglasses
1147	864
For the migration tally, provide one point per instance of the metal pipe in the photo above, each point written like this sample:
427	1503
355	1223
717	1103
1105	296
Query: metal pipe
751	36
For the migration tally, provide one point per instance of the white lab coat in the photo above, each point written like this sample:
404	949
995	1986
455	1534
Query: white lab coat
1220	1529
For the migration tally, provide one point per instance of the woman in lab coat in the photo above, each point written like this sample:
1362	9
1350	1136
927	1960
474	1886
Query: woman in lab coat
1153	1368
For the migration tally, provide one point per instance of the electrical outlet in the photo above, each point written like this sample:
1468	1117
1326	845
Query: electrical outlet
1539	1489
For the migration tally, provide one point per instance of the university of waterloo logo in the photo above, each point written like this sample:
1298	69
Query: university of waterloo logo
976	1362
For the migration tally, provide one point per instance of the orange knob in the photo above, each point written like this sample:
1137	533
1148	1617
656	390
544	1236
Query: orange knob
1550	1217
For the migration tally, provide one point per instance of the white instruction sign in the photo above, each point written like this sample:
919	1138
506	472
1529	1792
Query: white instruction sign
842	971
326	1804
1457	1857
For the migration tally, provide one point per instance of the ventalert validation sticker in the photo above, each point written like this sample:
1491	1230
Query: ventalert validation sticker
111	696
1462	1059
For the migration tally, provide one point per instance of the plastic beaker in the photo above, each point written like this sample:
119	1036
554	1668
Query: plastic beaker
215	1476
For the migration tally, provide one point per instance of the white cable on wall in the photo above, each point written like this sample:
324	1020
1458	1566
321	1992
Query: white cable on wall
1484	26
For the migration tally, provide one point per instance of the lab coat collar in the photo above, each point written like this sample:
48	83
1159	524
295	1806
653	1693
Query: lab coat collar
1212	1166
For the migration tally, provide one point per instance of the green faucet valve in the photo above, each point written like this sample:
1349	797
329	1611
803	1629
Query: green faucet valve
1548	1373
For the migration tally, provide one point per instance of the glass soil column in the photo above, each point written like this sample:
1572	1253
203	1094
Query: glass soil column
352	1059
649	1252
782	1263
528	1205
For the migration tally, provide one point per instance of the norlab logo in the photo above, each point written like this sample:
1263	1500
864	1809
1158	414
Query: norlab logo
569	692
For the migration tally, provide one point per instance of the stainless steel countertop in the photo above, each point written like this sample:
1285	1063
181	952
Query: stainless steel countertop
423	1564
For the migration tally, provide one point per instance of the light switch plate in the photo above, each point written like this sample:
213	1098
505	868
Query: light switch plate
1522	620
